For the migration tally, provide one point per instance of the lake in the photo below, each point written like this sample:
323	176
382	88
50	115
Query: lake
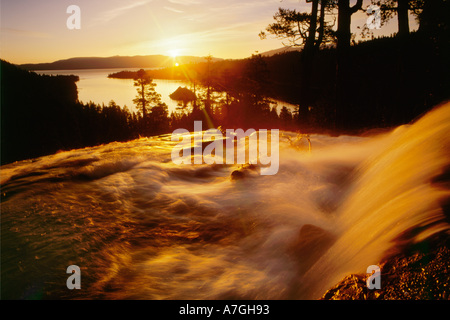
95	86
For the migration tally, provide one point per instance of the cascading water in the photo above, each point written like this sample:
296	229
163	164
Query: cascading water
392	203
141	227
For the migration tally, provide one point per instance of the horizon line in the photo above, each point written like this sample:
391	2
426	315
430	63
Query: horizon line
159	54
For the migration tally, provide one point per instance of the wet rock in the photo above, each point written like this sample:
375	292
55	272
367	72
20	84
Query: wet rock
237	175
422	275
244	171
311	243
352	287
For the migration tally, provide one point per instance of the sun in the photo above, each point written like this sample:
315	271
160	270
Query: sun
174	53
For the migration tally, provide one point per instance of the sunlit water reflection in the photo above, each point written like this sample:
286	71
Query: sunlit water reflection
94	85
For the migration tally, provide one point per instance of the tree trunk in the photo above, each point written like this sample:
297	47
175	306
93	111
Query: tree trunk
344	22
312	26
144	107
343	95
307	58
434	19
323	5
403	19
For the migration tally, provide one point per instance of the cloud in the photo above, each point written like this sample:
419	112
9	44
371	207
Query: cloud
185	2
25	33
231	11
200	38
173	10
116	12
222	33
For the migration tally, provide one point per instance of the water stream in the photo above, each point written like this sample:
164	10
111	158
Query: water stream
141	227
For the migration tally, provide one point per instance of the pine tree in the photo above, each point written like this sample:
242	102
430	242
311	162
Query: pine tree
147	96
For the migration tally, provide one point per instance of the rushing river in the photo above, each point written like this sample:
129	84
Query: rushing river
141	227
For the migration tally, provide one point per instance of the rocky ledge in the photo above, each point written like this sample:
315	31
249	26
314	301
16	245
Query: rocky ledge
420	274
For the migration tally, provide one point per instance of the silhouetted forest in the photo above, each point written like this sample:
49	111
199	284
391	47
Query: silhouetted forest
381	83
40	114
392	81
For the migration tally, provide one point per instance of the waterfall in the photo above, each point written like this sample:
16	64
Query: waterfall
393	202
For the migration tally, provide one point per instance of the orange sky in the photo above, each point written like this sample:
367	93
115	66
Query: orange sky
36	31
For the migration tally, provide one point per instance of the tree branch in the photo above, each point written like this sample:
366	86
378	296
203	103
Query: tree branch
356	7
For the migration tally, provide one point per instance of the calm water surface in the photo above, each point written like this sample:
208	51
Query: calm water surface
95	86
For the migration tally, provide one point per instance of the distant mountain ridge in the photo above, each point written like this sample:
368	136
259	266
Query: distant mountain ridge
280	51
148	61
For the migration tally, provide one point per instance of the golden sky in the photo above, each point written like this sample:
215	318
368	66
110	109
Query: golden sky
35	31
